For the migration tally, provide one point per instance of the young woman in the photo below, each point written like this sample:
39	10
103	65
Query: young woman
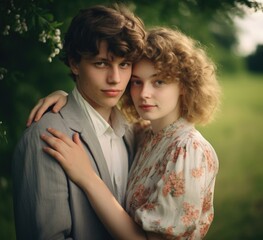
171	183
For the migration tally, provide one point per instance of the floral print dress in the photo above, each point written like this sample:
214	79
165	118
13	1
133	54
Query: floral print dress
171	183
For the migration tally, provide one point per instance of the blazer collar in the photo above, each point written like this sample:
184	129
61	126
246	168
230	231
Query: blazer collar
72	115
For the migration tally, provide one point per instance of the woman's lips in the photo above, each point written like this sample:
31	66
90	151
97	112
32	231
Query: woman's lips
147	107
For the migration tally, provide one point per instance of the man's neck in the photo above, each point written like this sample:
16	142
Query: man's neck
105	113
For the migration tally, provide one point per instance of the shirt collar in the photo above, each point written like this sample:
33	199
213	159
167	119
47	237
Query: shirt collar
118	121
119	124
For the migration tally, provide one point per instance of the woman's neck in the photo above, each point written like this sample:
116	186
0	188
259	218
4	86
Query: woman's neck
159	124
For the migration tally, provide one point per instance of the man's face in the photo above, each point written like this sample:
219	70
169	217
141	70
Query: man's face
102	80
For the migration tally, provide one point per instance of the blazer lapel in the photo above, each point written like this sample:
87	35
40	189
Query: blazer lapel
76	120
94	148
129	142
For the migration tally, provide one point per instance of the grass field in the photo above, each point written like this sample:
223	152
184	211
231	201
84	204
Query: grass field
237	137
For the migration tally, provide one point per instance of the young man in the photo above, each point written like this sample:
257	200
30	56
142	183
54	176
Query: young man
100	46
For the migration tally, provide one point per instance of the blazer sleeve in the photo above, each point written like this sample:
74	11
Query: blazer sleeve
40	188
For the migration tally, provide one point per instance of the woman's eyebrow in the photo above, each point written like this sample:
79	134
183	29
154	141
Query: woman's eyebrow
151	76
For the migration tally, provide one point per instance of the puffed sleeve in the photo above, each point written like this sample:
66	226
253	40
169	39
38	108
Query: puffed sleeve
181	205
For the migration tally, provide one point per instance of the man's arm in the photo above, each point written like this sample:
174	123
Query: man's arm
40	191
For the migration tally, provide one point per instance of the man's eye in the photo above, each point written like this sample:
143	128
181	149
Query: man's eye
125	65
100	64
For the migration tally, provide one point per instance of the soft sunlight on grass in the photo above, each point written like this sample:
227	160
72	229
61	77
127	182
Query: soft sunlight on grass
237	137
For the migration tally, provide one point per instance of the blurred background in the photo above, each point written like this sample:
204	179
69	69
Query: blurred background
232	30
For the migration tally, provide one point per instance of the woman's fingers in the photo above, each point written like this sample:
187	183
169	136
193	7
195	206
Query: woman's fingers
54	143
60	103
59	98
33	112
38	111
58	148
55	154
77	140
61	136
69	153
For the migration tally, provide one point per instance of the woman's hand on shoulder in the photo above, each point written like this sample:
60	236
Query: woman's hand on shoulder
58	99
70	153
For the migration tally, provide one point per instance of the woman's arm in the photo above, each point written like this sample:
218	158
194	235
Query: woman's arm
74	160
57	98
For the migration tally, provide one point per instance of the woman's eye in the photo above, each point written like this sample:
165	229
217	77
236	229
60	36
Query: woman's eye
159	83
135	82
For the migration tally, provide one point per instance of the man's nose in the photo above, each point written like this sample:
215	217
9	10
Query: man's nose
114	75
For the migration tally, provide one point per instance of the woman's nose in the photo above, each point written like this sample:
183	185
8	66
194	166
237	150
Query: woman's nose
146	92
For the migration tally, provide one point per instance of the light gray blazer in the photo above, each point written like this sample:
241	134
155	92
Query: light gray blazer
47	205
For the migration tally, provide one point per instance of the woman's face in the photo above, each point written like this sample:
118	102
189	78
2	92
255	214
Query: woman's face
155	99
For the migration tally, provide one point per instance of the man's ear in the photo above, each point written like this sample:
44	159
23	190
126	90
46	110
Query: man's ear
74	66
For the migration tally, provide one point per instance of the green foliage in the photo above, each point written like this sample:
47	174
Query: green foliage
30	17
7	228
211	24
2	133
255	60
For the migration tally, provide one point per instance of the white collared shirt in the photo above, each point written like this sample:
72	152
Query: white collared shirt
111	142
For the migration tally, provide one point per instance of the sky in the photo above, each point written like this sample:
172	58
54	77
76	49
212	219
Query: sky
250	32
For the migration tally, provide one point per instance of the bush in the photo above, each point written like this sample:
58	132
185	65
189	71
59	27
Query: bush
255	61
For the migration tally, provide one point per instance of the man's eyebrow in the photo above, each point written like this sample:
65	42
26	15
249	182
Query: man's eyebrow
96	58
104	59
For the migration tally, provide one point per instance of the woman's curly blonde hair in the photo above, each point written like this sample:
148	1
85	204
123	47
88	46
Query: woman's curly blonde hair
178	57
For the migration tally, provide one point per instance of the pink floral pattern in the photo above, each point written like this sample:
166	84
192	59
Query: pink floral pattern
171	183
174	185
